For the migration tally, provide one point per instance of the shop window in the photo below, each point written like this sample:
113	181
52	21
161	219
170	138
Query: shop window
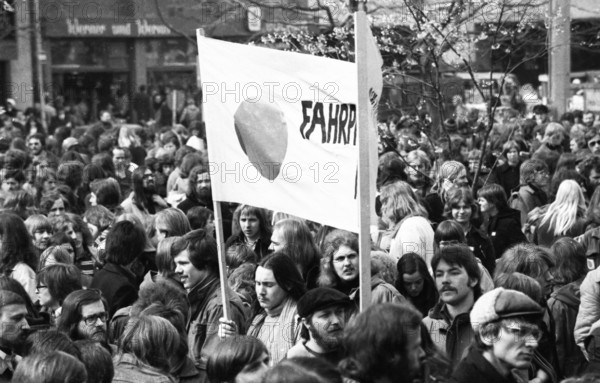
90	53
166	52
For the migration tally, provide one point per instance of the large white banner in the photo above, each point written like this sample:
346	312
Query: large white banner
282	130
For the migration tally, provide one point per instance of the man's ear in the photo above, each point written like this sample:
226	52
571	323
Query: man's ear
473	282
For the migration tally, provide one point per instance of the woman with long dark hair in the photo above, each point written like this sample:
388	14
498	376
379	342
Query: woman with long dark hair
415	283
461	207
507	174
501	223
17	255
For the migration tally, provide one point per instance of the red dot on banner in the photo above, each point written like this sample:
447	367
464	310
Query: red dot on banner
262	133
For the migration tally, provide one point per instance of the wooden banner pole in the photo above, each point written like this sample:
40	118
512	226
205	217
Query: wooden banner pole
364	174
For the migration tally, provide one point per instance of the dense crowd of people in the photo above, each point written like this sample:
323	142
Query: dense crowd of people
109	268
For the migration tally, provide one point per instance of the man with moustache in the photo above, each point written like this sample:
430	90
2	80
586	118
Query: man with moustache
197	265
13	331
457	278
200	194
143	201
323	313
41	159
199	190
84	316
505	323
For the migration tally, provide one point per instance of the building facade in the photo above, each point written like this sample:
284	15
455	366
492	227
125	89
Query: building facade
100	48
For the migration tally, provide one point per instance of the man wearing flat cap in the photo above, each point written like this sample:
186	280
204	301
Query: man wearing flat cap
323	313
13	331
506	329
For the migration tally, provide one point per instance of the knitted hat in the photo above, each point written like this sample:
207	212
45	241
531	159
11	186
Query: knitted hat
320	299
501	303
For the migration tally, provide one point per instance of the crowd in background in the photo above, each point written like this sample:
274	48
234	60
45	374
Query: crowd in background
483	265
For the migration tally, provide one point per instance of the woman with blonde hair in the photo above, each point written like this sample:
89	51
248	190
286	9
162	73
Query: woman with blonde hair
40	229
408	226
565	217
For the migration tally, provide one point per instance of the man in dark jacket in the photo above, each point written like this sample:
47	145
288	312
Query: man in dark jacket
501	223
506	336
124	243
457	278
564	306
197	264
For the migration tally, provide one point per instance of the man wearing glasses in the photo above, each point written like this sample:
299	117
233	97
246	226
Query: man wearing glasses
594	144
85	317
506	337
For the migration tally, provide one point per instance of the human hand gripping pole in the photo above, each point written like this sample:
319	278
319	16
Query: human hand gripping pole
222	273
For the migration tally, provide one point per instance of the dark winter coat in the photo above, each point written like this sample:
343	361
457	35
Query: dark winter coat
118	286
544	234
564	306
482	247
206	307
504	230
261	247
507	176
476	369
452	337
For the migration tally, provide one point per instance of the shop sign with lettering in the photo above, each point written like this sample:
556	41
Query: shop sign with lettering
76	27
